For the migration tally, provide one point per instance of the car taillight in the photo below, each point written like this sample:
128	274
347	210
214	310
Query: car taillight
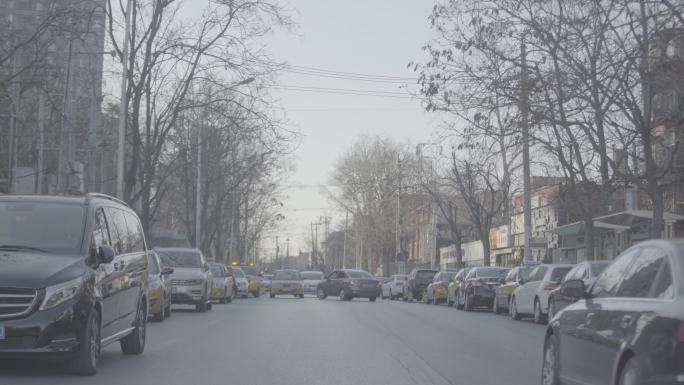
680	335
551	286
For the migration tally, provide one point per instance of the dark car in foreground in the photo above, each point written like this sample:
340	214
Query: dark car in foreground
348	284
73	279
478	287
628	328
587	271
417	283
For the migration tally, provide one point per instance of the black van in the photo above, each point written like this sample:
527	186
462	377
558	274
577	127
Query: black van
73	278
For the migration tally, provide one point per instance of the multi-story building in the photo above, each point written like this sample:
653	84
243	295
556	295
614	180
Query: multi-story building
50	94
547	214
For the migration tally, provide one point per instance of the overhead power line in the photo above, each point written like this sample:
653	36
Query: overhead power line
348	74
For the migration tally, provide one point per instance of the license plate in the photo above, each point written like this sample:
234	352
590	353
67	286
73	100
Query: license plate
2	332
174	290
368	286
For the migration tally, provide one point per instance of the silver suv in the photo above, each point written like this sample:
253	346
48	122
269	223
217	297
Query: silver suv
191	281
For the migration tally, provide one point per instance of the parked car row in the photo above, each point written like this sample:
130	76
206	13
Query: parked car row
609	322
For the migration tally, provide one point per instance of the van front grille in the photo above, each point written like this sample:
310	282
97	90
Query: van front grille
15	302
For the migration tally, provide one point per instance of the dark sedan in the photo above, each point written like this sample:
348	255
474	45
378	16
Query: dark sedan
586	271
628	328
478	289
349	284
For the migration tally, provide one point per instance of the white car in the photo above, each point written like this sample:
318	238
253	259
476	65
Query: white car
241	282
394	286
532	297
310	280
223	283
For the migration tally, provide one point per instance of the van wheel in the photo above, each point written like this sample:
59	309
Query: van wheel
320	293
495	306
85	361
209	305
539	317
201	307
229	298
134	343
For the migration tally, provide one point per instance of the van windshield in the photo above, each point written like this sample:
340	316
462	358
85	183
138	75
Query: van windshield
32	224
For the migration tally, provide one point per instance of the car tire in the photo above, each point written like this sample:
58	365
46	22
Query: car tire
552	309
631	373
84	363
272	295
320	293
134	343
467	306
513	308
223	299
209	305
450	303
372	299
391	297
404	297
495	306
167	311
550	362
256	294
539	317
459	306
301	296
201	306
344	296
229	298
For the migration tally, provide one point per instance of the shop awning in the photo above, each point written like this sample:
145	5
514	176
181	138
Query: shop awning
578	228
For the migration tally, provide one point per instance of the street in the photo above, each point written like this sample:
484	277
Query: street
287	341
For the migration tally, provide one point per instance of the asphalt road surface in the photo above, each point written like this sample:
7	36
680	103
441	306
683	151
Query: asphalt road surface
288	341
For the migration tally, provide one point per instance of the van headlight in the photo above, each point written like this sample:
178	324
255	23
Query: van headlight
58	294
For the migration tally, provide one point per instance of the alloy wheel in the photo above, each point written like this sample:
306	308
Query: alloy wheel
342	296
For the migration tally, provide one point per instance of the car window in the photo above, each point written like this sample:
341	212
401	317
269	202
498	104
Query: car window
181	258
312	275
216	271
136	238
286	276
607	283
152	265
358	274
664	286
641	274
558	273
100	232
573	273
538	273
510	277
489	273
118	230
446	277
597	268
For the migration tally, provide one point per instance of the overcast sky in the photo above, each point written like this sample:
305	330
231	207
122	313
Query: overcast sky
376	37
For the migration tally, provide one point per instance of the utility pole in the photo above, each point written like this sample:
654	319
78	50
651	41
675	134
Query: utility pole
344	241
287	250
277	252
313	246
123	104
198	197
41	141
397	229
525	126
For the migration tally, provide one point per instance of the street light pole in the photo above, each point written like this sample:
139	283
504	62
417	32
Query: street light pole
123	104
525	126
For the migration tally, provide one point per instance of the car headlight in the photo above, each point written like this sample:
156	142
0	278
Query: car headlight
193	282
58	294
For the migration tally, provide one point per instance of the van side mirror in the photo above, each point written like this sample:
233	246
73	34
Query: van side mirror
105	254
521	281
167	271
573	288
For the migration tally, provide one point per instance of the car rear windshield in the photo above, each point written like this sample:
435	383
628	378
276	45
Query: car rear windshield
425	274
491	273
597	268
178	258
286	276
34	224
558	273
358	274
238	273
312	275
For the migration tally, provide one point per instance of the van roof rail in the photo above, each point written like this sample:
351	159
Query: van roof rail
108	197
